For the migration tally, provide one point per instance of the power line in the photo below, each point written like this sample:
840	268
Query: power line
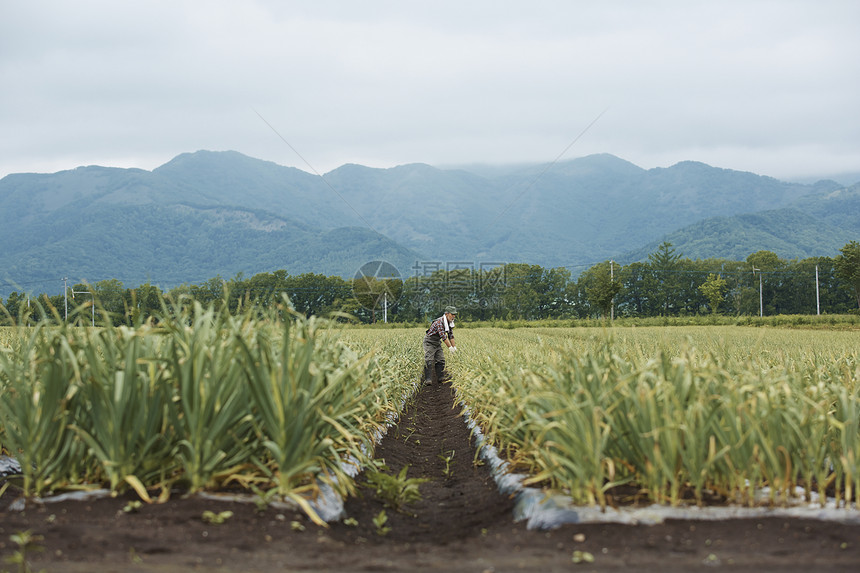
441	272
546	168
311	167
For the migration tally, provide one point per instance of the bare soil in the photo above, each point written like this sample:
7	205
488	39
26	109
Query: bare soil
461	523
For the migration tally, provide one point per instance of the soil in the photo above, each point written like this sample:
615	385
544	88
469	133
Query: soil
461	523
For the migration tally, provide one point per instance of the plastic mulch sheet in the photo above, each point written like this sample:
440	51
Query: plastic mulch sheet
543	510
9	467
329	505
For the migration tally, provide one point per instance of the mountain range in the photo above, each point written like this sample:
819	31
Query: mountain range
208	214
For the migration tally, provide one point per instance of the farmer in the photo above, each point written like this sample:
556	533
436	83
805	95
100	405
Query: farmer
441	330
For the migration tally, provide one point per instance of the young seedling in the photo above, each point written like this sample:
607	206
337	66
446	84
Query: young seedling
447	457
262	499
132	506
412	430
395	491
380	521
216	518
582	557
134	557
26	543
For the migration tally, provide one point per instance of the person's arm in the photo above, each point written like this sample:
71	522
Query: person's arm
447	339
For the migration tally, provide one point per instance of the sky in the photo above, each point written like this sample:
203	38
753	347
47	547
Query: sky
771	87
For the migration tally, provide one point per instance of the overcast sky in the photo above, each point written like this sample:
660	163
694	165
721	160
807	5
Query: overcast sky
771	87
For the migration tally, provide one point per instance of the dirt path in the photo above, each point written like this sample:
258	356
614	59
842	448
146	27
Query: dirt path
459	497
461	524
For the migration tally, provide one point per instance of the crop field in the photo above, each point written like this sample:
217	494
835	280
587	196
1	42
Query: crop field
272	405
202	401
207	401
678	415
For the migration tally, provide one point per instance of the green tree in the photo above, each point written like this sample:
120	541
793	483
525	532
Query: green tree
714	288
765	286
848	267
795	288
552	293
520	297
211	291
834	297
602	284
689	277
83	303
765	260
110	298
637	284
316	294
53	308
263	288
16	306
664	265
424	295
375	294
143	302
739	296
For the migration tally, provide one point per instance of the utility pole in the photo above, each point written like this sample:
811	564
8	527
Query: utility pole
760	299
66	298
612	283
817	297
385	307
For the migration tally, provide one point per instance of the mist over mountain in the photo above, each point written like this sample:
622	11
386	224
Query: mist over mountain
221	213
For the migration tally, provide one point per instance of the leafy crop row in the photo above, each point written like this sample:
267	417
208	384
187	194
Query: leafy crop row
686	413
199	400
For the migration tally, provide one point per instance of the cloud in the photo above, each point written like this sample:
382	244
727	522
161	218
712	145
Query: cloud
764	86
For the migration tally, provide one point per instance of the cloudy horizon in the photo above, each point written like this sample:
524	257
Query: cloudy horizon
763	86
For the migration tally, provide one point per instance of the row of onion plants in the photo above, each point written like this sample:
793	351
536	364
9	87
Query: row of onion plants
197	400
708	411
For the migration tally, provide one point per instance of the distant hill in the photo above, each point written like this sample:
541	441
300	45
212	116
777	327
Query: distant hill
789	232
597	207
816	225
94	223
840	207
220	213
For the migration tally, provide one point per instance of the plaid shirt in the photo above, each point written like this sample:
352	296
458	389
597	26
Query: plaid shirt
438	329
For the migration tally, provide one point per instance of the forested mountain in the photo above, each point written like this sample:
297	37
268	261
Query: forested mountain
220	213
810	228
790	232
94	223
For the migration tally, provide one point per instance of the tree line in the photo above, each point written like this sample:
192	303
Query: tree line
667	284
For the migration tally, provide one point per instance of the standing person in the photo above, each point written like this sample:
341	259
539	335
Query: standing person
441	330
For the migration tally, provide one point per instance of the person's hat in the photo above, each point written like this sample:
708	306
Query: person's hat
451	309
